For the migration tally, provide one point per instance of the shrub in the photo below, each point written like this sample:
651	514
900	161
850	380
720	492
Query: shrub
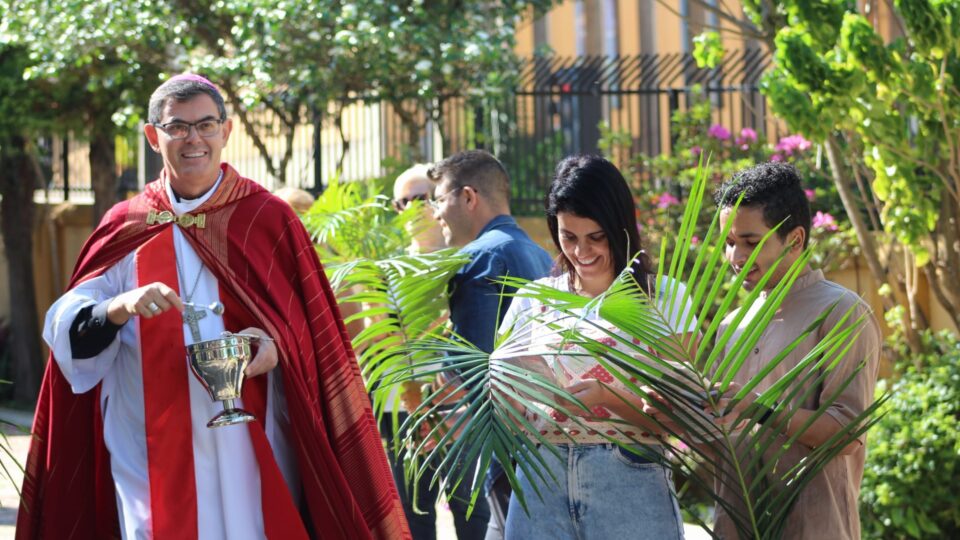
913	459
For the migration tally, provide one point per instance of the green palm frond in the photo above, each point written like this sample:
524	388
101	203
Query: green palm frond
488	421
6	448
351	220
650	355
404	298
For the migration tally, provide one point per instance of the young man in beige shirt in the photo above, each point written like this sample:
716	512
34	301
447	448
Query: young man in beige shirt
827	506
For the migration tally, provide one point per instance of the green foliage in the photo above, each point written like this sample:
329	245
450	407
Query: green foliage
354	220
25	104
21	108
708	49
933	25
898	98
821	17
913	466
324	55
531	158
866	48
403	297
103	56
288	57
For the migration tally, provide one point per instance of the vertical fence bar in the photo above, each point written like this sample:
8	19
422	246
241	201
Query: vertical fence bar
318	185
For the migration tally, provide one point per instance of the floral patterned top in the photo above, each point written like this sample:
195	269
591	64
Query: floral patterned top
536	332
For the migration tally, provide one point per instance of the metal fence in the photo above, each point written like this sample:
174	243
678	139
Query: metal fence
560	104
555	109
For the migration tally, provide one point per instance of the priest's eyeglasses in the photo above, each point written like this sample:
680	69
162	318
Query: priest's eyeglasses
206	128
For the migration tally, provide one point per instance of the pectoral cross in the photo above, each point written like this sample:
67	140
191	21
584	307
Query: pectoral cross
191	317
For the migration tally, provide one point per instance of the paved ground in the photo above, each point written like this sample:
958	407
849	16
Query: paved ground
19	444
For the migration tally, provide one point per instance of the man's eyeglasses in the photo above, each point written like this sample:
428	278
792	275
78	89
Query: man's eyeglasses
401	204
435	203
206	128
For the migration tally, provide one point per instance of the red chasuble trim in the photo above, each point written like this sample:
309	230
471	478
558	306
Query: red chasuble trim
166	400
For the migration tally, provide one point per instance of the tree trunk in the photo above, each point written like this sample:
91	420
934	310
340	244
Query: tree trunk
103	170
865	238
18	179
945	258
411	130
344	142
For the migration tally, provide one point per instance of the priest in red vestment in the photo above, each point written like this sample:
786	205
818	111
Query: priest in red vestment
121	447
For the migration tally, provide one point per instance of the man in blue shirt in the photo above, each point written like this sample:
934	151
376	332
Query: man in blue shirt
472	203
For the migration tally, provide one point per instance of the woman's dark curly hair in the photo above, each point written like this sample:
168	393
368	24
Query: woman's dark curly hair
591	187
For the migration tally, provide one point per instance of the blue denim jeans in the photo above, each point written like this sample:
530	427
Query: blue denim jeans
601	492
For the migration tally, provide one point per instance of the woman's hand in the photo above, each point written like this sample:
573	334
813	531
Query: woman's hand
592	393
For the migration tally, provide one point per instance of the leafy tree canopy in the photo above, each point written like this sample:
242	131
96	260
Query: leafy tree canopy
103	56
899	97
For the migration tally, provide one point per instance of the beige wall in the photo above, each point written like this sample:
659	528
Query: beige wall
648	26
634	18
59	233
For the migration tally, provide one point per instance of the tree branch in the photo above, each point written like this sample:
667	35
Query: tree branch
248	126
745	25
745	33
866	240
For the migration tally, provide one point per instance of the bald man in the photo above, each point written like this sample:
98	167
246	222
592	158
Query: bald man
414	185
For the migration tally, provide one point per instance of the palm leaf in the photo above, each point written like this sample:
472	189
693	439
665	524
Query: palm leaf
352	220
6	448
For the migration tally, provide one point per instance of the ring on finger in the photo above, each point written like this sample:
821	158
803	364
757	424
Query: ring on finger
152	306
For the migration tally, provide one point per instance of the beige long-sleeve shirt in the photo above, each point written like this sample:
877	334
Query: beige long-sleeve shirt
827	506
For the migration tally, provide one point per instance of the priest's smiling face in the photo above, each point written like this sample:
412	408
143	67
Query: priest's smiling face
192	162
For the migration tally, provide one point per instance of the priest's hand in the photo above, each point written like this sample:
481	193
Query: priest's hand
266	357
147	301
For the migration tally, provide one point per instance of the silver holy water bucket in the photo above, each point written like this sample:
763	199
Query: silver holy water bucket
219	364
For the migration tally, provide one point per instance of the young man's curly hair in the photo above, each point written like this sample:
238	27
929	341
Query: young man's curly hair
776	188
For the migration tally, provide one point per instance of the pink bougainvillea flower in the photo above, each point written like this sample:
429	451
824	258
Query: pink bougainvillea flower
792	143
811	194
695	151
824	221
776	157
746	138
666	200
718	132
695	240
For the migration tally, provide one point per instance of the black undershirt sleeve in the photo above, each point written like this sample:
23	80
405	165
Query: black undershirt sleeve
91	331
